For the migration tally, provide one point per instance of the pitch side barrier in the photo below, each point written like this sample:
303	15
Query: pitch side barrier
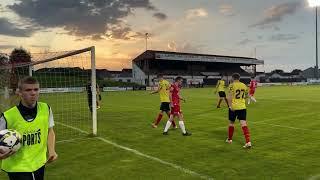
134	88
54	90
288	84
62	90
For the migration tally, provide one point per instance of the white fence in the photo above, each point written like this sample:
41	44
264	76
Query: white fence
62	90
106	89
288	84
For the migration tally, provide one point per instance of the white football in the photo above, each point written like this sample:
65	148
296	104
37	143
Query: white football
9	140
4	149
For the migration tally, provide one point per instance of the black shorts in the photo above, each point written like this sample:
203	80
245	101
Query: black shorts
165	106
238	114
38	175
222	94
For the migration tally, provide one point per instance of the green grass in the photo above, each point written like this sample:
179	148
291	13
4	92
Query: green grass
283	124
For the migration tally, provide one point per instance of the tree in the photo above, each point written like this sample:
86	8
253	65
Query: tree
4	82
278	71
4	59
296	72
18	56
4	71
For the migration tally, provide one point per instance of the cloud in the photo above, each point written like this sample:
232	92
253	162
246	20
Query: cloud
226	10
269	26
95	19
97	37
172	46
196	13
10	29
118	32
185	47
244	42
140	35
114	63
7	46
260	37
2	10
40	46
160	16
284	37
277	13
276	28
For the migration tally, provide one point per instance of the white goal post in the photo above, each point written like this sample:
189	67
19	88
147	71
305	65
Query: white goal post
64	78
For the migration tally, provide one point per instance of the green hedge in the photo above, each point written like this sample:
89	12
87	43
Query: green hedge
111	83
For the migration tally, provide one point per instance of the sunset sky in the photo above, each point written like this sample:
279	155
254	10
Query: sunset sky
283	32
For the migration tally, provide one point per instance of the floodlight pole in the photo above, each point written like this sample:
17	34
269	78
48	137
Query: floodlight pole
148	78
317	66
147	34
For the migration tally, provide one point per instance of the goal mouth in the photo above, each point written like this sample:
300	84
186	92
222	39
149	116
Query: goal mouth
64	79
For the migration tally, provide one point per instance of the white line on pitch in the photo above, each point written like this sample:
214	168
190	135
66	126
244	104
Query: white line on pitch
71	140
71	127
187	171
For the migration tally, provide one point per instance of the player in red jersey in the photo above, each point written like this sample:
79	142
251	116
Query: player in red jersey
175	107
253	86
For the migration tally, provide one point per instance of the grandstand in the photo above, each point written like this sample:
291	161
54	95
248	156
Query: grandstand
194	68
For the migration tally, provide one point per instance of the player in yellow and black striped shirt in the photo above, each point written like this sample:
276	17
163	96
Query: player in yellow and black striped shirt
238	92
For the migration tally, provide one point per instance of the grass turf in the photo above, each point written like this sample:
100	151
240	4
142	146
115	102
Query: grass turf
283	124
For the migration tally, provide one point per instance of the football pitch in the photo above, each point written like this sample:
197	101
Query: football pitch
284	126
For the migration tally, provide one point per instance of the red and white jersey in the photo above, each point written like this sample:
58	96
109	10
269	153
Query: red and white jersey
175	94
253	84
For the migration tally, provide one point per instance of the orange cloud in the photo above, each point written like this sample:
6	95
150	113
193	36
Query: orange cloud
113	63
196	13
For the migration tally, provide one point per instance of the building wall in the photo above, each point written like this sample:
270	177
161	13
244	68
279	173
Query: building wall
309	73
123	79
138	75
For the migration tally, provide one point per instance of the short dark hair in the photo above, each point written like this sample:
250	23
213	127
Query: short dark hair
178	79
27	80
252	77
236	76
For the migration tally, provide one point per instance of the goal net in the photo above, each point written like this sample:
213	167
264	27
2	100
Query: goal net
64	78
